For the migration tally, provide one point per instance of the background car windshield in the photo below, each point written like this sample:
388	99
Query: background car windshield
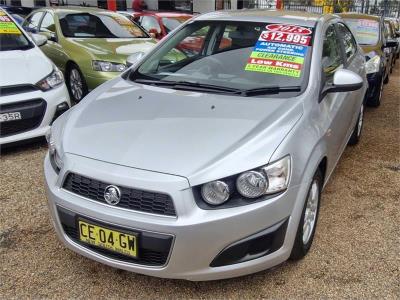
366	31
89	25
225	54
11	38
171	23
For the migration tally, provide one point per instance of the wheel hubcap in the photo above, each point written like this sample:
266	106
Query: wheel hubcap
360	120
75	82
310	214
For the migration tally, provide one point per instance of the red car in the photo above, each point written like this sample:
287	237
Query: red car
159	24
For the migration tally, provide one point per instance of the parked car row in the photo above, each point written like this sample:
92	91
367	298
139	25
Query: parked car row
217	140
378	39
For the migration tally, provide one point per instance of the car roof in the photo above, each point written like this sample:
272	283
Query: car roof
359	16
65	9
263	15
162	13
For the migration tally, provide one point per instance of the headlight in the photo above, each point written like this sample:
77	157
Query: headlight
269	179
51	81
252	184
215	193
372	65
107	66
278	174
54	155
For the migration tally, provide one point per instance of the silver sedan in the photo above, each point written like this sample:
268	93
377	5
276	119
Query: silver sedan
206	159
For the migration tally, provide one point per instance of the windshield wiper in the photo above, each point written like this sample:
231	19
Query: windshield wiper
271	90
220	89
192	85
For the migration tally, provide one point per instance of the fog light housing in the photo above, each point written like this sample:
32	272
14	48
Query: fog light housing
60	109
215	192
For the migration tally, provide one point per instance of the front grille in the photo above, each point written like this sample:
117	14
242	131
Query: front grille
17	89
32	113
153	248
134	199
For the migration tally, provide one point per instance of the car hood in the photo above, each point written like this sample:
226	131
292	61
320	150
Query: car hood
23	67
196	135
116	48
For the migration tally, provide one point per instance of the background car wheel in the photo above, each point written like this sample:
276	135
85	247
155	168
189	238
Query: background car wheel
375	100
386	79
356	135
76	83
308	222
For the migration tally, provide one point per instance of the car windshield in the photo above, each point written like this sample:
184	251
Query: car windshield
366	31
11	38
232	55
99	25
170	23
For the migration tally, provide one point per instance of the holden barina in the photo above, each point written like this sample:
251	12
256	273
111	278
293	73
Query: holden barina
211	166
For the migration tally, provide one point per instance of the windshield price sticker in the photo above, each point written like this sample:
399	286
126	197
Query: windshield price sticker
281	50
7	26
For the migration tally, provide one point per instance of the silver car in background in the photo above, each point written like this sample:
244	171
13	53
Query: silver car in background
210	166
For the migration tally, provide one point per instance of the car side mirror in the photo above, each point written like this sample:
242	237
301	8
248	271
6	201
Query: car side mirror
153	33
39	39
390	44
343	81
134	58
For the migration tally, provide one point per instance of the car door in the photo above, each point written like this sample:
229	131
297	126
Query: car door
333	107
53	49
355	62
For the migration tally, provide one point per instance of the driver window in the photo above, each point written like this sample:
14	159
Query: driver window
331	55
191	46
47	24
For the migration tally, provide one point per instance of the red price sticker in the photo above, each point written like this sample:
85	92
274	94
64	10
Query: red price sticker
284	37
287	28
4	19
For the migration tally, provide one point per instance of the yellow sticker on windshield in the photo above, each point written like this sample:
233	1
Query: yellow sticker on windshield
7	26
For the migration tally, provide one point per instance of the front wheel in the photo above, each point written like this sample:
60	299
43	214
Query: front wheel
76	84
308	221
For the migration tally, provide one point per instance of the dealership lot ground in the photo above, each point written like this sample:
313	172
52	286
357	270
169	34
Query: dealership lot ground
355	253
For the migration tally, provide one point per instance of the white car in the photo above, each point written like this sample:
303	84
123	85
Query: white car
32	90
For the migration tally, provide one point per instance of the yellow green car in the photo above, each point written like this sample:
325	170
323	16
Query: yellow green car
89	45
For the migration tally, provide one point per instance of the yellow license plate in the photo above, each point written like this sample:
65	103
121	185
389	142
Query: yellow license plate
110	239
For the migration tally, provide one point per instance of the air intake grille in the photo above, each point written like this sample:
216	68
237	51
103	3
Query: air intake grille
133	199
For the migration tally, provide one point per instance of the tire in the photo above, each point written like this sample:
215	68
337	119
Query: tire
375	100
386	81
76	83
305	234
356	135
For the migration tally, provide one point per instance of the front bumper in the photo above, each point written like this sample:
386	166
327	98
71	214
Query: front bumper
52	99
374	84
198	236
94	79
